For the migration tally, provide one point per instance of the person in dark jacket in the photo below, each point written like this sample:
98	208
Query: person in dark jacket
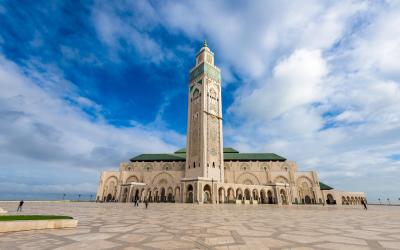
21	203
364	203
146	202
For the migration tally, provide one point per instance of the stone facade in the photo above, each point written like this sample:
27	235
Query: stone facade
208	173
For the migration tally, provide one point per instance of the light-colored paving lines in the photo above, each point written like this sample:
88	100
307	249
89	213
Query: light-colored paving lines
187	226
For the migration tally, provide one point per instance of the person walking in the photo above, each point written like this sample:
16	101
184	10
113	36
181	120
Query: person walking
364	204
21	203
146	202
137	202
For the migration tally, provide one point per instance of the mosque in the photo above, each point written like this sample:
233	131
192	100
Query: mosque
207	172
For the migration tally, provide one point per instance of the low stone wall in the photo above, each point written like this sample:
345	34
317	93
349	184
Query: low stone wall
24	225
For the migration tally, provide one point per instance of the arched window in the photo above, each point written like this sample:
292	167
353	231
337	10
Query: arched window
213	164
194	164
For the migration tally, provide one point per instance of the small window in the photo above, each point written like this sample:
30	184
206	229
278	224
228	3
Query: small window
194	164
213	164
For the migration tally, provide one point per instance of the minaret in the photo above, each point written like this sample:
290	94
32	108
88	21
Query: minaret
204	152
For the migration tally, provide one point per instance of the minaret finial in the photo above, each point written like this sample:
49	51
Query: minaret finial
205	43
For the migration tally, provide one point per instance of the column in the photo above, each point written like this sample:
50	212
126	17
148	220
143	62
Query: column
200	192
277	195
128	199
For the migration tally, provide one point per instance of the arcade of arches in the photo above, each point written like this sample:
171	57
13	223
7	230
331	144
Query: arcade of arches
165	187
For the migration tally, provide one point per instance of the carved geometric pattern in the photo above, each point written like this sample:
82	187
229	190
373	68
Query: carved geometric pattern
304	179
148	167
163	176
281	179
244	166
249	178
132	178
195	124
213	136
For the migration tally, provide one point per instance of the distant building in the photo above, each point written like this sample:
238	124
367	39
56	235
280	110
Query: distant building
205	172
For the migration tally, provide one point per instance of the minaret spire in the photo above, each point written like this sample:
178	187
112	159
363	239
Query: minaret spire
204	153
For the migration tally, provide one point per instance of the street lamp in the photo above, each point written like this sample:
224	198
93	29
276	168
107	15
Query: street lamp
79	197
64	196
379	199
388	200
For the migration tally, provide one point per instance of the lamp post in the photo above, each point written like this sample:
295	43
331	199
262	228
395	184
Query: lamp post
79	197
64	196
379	199
388	200
91	197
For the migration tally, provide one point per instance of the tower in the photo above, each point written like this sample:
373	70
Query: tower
204	152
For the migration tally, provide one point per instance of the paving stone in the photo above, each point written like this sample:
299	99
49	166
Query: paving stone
390	244
338	246
219	240
187	226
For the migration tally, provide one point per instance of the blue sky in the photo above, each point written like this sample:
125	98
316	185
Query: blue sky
85	86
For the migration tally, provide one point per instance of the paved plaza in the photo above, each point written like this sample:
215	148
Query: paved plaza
187	226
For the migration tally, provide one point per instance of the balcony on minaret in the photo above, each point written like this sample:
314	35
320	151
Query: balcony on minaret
205	54
205	66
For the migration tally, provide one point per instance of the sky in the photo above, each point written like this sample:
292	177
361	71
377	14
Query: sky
85	85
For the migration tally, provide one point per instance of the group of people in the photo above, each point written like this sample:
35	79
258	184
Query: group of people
146	202
136	202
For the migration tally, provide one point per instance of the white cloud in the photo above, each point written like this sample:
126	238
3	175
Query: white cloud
296	81
320	85
375	48
122	34
40	124
250	37
320	82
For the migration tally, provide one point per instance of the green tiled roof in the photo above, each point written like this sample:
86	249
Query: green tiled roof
230	150
181	151
226	150
230	154
160	157
323	186
252	157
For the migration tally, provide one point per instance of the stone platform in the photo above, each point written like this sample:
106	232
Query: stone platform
26	225
2	211
187	226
